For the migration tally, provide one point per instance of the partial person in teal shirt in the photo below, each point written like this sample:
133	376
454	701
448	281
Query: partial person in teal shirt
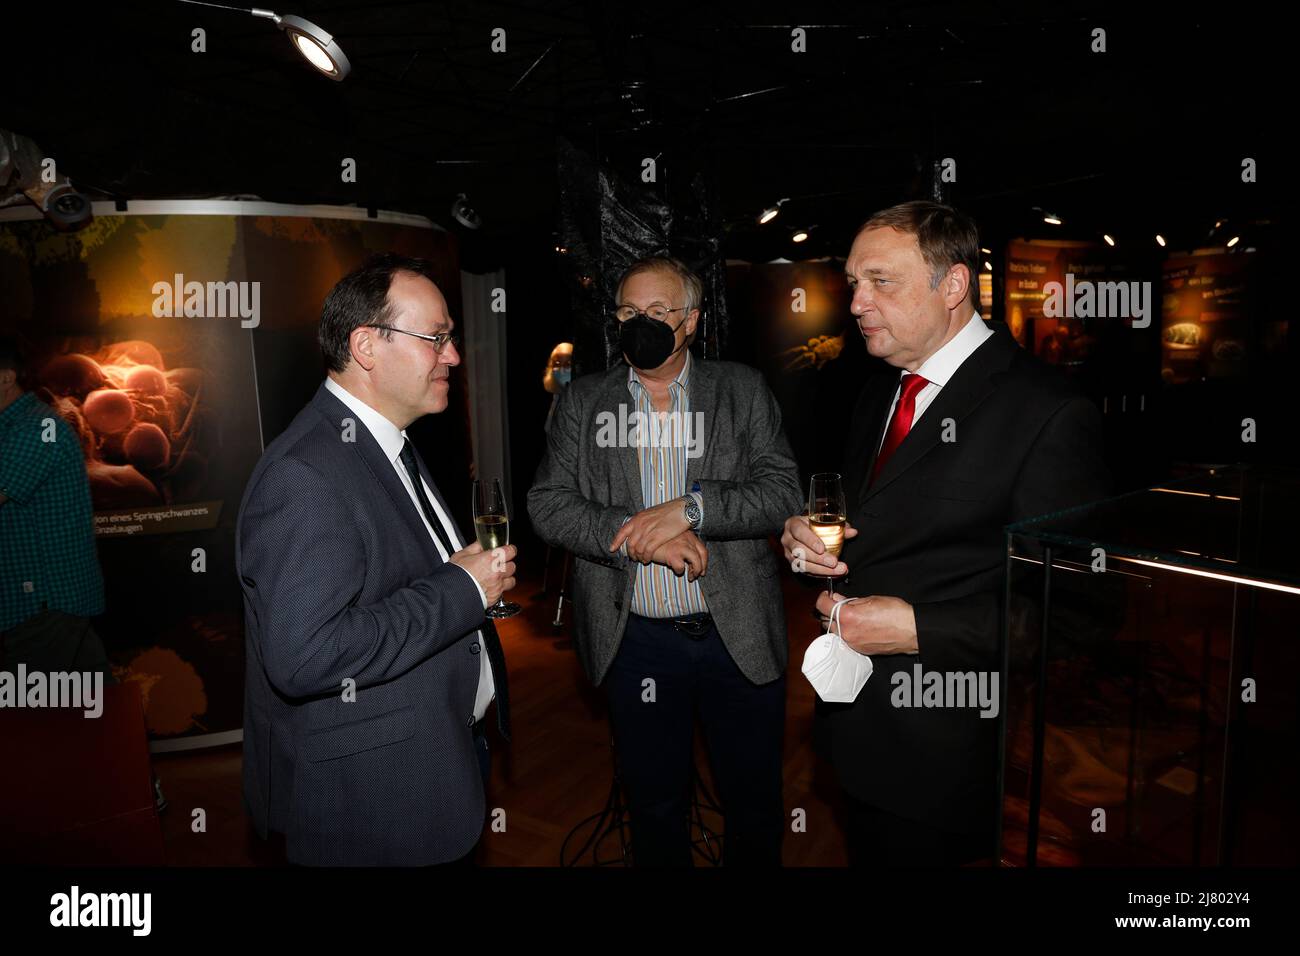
50	581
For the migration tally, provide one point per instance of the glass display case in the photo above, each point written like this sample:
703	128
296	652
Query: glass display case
1150	709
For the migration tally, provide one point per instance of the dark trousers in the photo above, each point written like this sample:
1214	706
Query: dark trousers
877	837
55	641
743	725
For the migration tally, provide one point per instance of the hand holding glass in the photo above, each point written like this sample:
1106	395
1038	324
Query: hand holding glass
492	526
826	514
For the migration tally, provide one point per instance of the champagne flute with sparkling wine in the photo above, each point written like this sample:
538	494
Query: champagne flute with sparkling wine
826	514
492	526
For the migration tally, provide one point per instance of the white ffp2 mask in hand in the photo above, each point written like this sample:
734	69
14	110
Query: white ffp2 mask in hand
837	672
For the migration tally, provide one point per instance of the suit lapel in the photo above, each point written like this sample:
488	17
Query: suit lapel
703	394
379	466
442	503
875	409
973	381
617	393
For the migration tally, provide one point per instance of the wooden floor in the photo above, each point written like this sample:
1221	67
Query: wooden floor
556	772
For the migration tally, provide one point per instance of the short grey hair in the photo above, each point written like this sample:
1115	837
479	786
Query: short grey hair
691	283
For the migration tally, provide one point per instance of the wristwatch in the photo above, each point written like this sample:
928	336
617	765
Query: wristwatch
692	510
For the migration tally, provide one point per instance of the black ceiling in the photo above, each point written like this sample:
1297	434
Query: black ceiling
1148	135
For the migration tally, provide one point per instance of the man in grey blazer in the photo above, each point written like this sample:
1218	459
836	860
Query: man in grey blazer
369	662
664	478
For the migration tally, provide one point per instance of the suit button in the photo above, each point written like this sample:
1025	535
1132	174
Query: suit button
474	648
470	721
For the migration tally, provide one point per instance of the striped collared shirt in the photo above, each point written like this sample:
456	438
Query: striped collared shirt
662	459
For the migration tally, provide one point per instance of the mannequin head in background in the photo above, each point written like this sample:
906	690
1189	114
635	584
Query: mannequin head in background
559	368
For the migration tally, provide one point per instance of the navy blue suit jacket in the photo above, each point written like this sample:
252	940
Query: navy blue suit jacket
342	581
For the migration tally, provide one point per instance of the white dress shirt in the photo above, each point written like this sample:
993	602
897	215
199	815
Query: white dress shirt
940	367
391	439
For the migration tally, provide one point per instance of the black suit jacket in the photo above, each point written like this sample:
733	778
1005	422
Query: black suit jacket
930	531
341	580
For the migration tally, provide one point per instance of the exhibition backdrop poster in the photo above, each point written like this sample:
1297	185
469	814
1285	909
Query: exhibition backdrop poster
177	346
791	320
1206	329
137	338
296	261
1060	336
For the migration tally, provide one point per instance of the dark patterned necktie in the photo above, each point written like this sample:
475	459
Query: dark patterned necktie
492	643
412	466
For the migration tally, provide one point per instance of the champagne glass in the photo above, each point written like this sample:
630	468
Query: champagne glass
826	514
492	526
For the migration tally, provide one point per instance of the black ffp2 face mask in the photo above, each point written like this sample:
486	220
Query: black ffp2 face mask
647	343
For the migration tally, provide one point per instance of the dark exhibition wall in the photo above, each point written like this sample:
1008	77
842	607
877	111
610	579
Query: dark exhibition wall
1146	138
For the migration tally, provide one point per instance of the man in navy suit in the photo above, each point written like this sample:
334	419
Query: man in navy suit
370	664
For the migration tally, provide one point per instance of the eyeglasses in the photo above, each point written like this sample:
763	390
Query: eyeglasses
656	312
439	340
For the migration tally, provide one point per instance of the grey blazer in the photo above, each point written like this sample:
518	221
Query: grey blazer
341	580
750	485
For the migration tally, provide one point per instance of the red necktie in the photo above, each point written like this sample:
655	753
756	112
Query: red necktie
901	423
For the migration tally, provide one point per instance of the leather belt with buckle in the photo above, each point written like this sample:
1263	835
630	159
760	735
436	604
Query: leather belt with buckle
695	627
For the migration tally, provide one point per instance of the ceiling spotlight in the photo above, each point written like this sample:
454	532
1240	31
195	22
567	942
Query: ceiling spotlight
1051	219
799	236
771	212
988	265
1160	239
1233	241
1109	240
316	45
464	213
987	252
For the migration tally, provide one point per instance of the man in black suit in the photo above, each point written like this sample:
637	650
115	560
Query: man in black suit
369	662
973	434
